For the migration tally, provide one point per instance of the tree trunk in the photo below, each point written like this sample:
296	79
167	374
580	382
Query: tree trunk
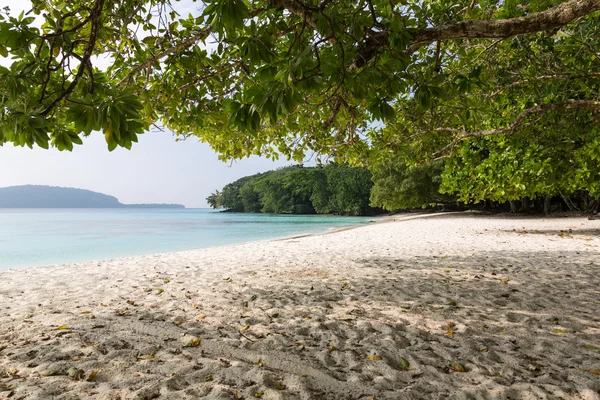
547	204
525	206
566	201
513	206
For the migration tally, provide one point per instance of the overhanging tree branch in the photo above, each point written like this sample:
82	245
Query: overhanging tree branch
552	18
543	78
95	17
569	105
178	47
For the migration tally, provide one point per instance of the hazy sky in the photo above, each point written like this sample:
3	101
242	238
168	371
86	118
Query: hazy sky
155	170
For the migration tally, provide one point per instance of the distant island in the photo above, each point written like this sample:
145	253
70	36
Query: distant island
38	196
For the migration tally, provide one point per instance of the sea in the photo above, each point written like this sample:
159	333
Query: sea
36	237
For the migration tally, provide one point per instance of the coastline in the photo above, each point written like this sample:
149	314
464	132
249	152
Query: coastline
70	243
512	301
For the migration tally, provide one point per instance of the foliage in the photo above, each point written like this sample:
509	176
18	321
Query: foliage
368	81
214	199
339	189
509	168
348	189
398	186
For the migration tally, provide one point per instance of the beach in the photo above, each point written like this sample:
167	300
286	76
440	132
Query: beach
454	306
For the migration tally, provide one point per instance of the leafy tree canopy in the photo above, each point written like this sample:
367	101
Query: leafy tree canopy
364	81
291	76
331	189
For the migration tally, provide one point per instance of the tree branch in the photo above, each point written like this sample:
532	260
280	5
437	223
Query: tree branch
95	16
178	47
543	78
569	105
552	18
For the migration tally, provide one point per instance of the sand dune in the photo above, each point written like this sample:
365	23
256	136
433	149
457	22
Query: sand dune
455	306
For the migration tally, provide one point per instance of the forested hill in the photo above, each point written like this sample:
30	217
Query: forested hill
331	189
35	196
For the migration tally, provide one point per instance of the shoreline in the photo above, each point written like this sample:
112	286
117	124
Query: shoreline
459	307
377	220
247	240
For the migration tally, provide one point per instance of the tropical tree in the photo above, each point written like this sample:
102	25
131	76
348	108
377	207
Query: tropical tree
335	188
287	76
355	80
214	200
398	186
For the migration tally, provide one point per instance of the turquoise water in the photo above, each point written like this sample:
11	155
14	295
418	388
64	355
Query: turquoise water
35	237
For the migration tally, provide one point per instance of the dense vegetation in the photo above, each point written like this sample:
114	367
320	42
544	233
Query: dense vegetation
331	189
38	196
504	94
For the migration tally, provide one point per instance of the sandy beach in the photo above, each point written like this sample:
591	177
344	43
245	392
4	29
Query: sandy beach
456	306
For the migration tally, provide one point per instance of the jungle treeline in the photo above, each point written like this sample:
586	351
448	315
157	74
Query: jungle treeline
348	190
330	189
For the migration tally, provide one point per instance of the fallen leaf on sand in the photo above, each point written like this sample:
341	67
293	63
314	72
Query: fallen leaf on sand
457	367
449	333
62	327
559	331
245	328
201	317
48	372
404	363
594	371
587	346
146	357
258	363
93	375
75	373
193	343
374	357
331	348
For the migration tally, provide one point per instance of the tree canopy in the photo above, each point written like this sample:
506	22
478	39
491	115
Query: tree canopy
367	81
330	189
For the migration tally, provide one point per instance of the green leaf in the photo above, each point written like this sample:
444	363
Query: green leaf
404	363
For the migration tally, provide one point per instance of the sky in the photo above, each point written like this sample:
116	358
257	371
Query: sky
156	170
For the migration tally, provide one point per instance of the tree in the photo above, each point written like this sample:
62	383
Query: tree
349	189
398	186
214	200
350	79
339	189
285	76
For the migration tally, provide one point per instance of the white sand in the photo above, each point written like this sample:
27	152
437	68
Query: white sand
299	318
